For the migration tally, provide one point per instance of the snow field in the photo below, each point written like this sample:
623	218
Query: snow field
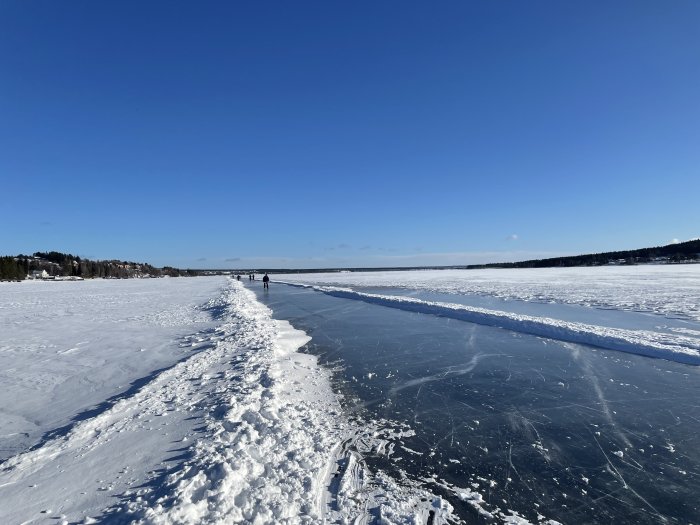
65	347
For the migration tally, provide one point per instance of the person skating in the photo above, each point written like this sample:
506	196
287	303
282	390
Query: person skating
266	282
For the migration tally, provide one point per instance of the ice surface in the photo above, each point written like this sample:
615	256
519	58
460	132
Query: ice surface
507	424
672	290
515	301
676	347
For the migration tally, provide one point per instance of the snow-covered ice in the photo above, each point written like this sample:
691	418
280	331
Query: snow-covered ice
66	347
185	401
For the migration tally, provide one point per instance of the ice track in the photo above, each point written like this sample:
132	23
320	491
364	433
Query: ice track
683	348
245	431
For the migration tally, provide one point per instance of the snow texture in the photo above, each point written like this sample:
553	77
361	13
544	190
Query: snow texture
66	347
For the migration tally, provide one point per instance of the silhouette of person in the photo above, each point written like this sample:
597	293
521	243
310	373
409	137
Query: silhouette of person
266	282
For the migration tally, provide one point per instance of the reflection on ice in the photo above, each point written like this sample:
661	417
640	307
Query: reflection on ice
506	425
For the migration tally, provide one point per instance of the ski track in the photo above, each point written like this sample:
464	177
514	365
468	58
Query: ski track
258	435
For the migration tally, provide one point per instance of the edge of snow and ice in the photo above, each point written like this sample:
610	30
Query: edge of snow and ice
670	290
673	347
271	446
276	443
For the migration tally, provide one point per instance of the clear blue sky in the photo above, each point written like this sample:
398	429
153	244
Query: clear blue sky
306	134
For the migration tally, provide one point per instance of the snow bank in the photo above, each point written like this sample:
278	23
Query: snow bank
273	443
266	441
674	347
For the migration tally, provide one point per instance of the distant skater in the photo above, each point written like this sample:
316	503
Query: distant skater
266	282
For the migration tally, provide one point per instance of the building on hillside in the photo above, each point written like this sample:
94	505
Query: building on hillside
39	274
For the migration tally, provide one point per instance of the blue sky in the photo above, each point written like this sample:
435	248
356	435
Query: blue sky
314	134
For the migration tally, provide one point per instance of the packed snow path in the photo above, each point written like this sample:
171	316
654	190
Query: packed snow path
246	430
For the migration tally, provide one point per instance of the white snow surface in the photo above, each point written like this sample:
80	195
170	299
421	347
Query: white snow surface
68	346
242	429
657	291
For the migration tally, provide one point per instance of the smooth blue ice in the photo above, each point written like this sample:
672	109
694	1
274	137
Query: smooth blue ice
542	427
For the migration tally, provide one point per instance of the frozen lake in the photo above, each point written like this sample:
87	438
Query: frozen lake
420	397
496	420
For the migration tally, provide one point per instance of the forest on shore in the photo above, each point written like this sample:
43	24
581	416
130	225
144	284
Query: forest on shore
57	264
681	252
65	265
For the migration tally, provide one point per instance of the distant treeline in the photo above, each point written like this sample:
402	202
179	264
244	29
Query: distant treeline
56	264
11	270
671	253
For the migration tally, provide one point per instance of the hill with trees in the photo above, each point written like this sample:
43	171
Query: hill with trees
681	252
56	264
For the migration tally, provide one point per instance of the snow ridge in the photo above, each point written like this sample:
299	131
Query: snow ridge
259	460
275	443
674	347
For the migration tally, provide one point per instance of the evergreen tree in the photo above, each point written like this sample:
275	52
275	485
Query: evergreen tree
11	270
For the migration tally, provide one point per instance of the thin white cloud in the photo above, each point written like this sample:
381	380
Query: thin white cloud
512	237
